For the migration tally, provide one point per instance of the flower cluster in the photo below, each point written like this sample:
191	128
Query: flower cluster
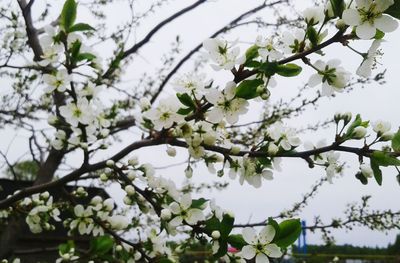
41	210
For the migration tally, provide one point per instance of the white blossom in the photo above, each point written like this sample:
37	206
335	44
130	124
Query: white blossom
75	113
224	55
370	60
165	114
260	246
183	212
314	15
331	75
368	16
225	105
59	81
284	136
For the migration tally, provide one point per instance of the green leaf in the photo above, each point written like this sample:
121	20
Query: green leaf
357	122
211	225
269	68
379	34
236	241
85	56
247	89
226	225
312	35
198	203
66	247
101	245
396	142
377	171
362	178
384	159
338	7
251	54
184	111
223	248
68	15
80	27
289	231
186	100
288	70
394	10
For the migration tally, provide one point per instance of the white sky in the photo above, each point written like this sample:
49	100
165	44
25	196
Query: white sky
250	204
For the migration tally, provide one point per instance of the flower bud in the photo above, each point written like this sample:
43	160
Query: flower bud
103	177
209	139
272	148
171	151
165	214
387	136
133	161
127	200
235	150
118	248
359	132
347	117
215	234
189	172
52	119
131	175
340	24
110	163
366	170
130	190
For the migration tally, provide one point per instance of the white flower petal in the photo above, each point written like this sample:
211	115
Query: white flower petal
261	258
248	252
386	23
267	234
273	251
365	31
249	235
351	17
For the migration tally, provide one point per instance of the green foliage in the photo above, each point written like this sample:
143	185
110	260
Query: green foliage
24	170
289	231
80	27
236	241
66	247
101	245
338	7
288	70
384	159
251	54
396	142
356	123
186	100
198	203
394	10
312	35
68	15
247	89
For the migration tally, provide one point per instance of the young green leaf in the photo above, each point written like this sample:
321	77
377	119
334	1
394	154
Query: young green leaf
396	142
338	7
226	225
186	100
289	231
247	89
384	159
80	27
312	35
377	171
251	53
68	15
101	245
288	70
236	241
